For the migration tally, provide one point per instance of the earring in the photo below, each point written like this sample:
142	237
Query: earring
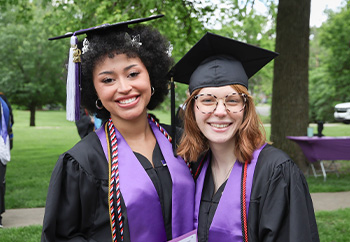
152	88
99	104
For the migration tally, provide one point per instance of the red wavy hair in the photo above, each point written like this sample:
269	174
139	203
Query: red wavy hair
250	134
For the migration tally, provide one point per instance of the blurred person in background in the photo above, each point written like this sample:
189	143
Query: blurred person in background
6	144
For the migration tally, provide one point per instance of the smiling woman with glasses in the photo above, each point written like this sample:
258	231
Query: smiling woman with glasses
246	190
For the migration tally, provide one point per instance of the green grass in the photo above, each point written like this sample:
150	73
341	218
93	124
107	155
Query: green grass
34	155
28	234
36	150
333	183
335	129
334	225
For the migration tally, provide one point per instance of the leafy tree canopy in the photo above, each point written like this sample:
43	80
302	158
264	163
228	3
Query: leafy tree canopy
241	21
329	65
335	38
30	67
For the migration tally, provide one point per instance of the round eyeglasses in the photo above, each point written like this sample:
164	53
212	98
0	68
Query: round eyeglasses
234	102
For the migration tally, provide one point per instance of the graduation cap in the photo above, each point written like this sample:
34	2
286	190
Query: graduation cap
74	69
216	61
107	27
219	61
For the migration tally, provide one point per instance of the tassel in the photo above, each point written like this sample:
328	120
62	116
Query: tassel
73	76
77	61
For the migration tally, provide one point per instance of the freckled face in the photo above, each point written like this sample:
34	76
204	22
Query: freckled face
123	86
220	126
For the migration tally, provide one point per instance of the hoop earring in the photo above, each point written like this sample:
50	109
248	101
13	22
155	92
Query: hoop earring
152	92
97	104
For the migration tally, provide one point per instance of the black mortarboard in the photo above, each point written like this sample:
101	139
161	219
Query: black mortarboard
107	27
218	61
73	76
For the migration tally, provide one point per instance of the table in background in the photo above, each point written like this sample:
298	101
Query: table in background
323	148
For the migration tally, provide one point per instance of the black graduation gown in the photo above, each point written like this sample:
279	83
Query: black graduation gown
280	207
77	207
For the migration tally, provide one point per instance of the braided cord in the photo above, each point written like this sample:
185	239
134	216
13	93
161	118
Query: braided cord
160	128
114	176
168	137
114	183
243	203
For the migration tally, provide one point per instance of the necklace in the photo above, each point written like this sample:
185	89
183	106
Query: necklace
216	183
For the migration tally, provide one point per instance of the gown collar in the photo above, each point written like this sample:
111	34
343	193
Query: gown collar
227	226
138	190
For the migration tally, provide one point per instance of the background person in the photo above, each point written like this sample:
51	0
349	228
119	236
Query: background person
123	181
180	112
85	124
6	144
246	190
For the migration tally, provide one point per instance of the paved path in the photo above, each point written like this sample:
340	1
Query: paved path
34	216
330	201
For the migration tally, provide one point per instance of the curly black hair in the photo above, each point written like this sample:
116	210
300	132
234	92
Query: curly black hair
153	53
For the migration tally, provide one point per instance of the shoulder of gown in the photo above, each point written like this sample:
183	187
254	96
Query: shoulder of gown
80	174
89	154
280	207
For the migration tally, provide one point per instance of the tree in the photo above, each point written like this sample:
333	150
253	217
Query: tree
335	39
321	91
30	67
289	111
241	21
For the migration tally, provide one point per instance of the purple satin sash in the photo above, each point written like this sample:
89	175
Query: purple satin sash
4	118
140	196
226	224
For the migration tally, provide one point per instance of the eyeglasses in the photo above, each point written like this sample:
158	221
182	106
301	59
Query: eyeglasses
234	103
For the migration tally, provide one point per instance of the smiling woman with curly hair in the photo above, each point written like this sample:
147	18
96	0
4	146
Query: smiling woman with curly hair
122	182
153	54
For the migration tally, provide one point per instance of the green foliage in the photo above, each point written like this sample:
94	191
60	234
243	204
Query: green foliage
335	37
329	81
321	95
30	66
242	22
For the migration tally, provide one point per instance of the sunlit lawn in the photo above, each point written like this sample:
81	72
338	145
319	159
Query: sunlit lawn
36	150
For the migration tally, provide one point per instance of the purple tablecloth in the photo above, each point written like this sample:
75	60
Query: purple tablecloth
324	148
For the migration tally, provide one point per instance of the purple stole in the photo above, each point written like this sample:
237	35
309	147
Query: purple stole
226	224
142	203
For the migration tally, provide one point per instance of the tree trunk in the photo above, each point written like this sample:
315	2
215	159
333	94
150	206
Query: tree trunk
32	115
290	105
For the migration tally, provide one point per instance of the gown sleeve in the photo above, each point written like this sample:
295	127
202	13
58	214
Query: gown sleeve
281	208
72	196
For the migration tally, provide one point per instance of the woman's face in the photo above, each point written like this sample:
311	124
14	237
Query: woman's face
219	126
123	86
